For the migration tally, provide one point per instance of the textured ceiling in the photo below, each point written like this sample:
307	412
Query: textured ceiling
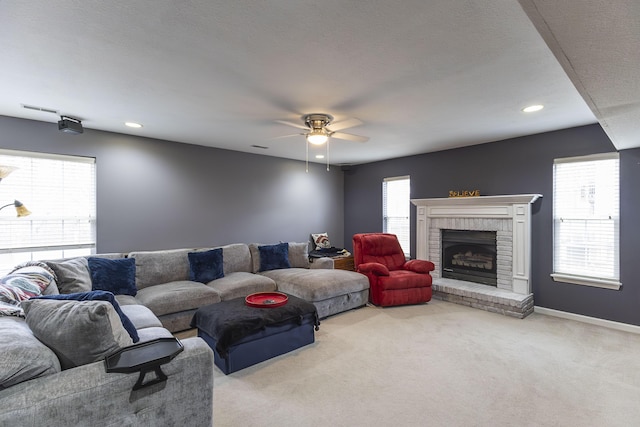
421	76
598	44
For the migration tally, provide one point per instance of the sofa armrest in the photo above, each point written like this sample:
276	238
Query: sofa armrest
374	268
419	266
324	262
88	395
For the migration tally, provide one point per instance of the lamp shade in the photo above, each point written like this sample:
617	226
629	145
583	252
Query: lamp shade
21	209
6	170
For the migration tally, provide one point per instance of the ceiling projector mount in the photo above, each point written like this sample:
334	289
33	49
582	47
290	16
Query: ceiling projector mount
70	125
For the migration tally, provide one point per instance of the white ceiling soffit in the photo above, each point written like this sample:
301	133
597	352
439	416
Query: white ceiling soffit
422	76
597	42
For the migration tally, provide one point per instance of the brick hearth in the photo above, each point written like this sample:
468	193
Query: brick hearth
484	297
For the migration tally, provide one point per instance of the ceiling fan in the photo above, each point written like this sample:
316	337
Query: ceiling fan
319	128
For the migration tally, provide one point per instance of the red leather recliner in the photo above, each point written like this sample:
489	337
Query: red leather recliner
392	279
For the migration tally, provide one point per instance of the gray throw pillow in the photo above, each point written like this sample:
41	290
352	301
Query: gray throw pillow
73	275
157	267
299	255
78	332
22	356
255	256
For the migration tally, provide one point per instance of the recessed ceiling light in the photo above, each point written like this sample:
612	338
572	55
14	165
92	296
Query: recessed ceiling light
133	125
533	108
319	156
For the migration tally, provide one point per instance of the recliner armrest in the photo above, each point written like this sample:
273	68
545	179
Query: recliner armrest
373	268
419	266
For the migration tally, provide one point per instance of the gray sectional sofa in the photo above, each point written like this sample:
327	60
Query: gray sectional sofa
35	388
162	280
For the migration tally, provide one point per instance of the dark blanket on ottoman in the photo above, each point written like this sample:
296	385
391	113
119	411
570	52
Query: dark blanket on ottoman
230	321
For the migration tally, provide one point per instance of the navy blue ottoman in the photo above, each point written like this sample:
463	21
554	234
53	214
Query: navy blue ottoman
241	336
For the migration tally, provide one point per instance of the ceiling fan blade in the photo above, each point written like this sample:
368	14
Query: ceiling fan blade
288	136
349	137
344	124
295	125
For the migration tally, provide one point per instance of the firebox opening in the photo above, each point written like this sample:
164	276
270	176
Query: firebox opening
469	255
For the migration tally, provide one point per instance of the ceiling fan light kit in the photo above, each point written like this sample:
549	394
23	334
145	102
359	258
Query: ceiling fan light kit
317	136
317	123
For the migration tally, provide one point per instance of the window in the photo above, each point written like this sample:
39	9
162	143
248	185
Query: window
60	192
586	223
395	209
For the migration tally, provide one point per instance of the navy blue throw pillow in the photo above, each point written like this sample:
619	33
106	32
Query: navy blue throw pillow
117	276
99	296
274	257
206	266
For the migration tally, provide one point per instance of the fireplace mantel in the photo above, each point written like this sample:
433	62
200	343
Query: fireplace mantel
463	203
507	213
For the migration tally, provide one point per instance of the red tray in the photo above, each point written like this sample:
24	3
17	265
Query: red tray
266	299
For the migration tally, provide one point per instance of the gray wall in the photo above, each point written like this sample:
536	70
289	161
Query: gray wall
517	166
154	194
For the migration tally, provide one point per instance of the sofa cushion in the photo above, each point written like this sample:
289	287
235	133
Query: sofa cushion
73	275
403	279
79	332
205	266
157	267
117	276
255	256
52	289
99	296
299	255
274	257
179	321
241	284
383	248
317	285
20	285
236	258
174	297
141	317
154	332
126	300
22	355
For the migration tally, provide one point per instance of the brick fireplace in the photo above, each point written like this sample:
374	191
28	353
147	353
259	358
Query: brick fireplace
510	217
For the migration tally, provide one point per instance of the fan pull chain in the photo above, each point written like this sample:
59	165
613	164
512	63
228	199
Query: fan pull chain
327	155
306	145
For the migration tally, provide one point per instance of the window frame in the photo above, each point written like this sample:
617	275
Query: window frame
589	280
73	241
407	247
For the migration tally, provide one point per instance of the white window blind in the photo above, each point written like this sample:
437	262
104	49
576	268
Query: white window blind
60	192
396	209
586	220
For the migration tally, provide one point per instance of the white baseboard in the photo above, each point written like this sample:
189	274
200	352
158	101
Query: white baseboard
586	319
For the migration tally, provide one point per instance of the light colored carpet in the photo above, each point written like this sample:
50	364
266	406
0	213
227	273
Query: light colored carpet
441	364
